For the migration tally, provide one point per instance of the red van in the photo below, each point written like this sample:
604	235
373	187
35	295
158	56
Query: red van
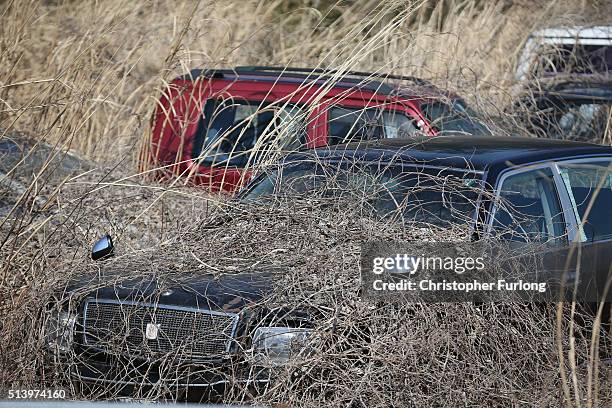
212	125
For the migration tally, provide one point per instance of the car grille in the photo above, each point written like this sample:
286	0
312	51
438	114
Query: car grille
149	330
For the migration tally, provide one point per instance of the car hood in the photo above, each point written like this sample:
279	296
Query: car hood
228	293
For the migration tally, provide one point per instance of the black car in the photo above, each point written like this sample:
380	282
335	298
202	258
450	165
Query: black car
568	109
557	193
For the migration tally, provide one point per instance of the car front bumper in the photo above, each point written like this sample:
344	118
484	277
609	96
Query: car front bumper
109	376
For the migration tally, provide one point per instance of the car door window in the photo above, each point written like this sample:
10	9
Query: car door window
589	185
397	125
529	210
353	124
454	117
232	130
350	124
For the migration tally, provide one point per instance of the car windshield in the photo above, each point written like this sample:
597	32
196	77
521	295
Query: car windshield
430	196
455	117
582	121
573	59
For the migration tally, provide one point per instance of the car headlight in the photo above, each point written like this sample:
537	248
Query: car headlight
277	344
59	331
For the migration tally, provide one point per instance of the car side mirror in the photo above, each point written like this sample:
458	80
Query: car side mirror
102	248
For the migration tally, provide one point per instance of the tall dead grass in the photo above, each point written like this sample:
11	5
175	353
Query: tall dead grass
87	73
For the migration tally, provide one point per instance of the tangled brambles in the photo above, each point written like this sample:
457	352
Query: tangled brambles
300	263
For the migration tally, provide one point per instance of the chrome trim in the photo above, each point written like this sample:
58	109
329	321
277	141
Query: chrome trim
155	306
584	159
573	231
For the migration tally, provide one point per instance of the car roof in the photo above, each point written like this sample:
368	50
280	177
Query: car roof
576	34
379	83
479	153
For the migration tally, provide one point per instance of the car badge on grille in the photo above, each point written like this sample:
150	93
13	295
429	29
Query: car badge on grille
152	331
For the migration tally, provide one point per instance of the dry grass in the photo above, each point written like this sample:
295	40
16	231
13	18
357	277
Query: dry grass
85	76
87	73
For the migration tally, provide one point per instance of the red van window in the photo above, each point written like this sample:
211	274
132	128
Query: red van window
350	124
397	125
231	129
